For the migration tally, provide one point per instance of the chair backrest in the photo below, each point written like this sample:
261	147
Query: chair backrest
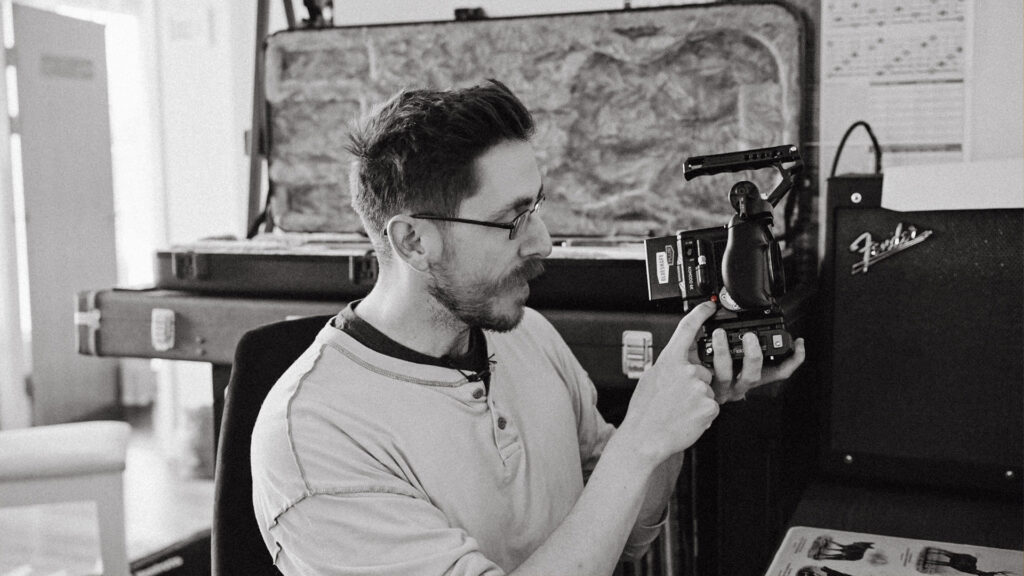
261	357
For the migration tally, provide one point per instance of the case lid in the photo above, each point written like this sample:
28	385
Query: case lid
620	100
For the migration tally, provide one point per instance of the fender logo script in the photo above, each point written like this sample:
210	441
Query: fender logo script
873	252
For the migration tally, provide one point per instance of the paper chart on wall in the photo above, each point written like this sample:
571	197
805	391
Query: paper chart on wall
902	66
822	552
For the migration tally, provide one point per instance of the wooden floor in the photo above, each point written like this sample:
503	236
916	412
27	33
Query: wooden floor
163	505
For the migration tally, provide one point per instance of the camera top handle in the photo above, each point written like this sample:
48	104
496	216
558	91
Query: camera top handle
776	156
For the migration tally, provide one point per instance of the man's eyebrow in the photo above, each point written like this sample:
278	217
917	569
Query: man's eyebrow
519	204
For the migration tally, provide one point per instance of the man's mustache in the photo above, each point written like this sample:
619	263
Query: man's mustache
530	270
522	274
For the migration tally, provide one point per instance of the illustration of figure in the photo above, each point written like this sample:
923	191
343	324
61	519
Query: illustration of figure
824	548
932	558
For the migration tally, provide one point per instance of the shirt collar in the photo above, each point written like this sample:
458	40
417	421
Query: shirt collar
366	334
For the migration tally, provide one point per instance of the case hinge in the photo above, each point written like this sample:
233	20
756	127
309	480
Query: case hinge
190	266
87	323
89	319
470	14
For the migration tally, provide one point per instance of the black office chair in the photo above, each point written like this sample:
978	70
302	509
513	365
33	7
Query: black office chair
261	357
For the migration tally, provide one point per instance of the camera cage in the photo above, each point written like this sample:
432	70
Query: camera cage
693	267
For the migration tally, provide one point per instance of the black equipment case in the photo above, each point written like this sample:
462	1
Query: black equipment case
620	100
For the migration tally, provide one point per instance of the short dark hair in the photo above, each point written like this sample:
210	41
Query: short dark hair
417	152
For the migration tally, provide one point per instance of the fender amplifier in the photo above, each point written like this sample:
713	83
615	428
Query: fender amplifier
923	340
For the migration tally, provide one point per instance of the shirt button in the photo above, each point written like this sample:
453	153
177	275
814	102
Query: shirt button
501	423
478	393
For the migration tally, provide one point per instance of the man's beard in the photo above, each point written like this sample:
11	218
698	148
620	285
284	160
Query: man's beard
475	303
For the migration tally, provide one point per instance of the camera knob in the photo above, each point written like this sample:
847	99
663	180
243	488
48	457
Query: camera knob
747	202
727	301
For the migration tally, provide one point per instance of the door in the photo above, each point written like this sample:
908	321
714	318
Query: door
64	128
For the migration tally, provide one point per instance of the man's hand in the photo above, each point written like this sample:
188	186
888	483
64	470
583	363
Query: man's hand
673	404
729	386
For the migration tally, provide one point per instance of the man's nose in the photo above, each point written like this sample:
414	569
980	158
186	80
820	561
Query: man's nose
537	242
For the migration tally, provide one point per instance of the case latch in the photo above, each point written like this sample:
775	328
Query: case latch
363	269
161	329
637	352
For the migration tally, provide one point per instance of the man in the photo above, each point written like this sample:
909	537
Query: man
440	427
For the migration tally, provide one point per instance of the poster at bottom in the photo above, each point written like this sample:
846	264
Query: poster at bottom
822	552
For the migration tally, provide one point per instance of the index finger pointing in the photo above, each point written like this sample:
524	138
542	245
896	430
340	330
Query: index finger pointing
689	326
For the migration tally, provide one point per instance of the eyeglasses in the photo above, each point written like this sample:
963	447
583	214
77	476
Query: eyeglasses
517	225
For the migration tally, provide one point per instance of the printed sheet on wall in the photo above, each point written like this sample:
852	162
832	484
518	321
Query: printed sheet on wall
901	65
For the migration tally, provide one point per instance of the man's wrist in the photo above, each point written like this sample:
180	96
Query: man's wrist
637	452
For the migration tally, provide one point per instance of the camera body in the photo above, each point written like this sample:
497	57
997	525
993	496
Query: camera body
688	265
739	265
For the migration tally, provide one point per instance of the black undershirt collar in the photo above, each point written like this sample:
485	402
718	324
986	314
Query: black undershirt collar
474	361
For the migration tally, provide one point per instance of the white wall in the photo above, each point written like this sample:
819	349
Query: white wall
200	110
996	93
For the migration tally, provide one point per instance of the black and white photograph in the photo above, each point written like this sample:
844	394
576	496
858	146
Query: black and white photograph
524	288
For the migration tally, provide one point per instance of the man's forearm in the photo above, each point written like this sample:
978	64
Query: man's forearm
659	490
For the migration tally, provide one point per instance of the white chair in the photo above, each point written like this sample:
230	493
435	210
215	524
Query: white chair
71	462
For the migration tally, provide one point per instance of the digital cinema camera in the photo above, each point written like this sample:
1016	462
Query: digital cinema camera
739	265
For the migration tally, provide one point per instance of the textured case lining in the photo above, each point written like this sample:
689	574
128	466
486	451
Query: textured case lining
620	99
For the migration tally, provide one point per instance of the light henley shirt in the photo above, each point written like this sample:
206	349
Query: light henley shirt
366	464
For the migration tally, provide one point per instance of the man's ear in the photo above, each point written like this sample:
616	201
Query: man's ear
416	242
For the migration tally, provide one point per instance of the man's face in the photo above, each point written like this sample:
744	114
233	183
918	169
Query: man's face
482	277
